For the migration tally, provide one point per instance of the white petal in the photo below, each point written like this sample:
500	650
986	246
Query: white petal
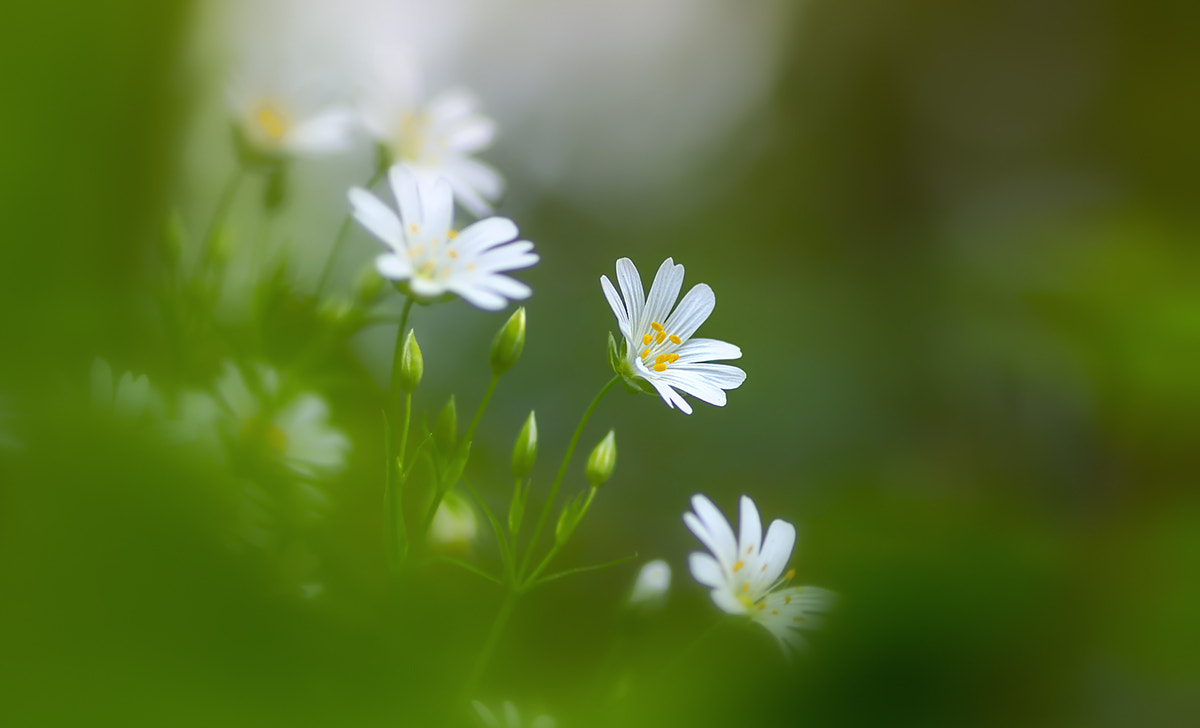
694	384
663	293
507	287
616	304
506	257
451	105
438	201
467	197
543	721
723	545
777	550
750	532
408	197
485	715
727	602
669	395
703	350
425	288
484	234
476	296
723	376
510	715
131	396
482	178
326	132
631	290
706	570
471	135
692	311
394	267
376	217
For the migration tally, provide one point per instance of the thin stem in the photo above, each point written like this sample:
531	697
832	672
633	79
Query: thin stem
340	240
224	202
394	393
528	583
487	397
396	536
562	471
493	638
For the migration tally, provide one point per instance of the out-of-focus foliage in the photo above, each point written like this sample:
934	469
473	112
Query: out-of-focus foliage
957	247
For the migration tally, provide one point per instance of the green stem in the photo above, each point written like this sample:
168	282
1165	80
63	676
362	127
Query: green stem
493	638
440	492
562	471
224	202
393	483
530	582
340	240
394	393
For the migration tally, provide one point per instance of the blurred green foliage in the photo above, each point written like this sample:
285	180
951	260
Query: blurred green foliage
963	272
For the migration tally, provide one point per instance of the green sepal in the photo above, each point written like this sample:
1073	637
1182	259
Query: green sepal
516	509
620	366
569	519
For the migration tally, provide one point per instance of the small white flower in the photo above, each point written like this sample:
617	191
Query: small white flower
511	719
296	431
437	140
283	110
651	587
434	258
746	575
659	347
454	524
128	399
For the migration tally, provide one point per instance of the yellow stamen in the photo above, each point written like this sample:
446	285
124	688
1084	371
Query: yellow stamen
656	326
272	121
417	250
738	566
661	358
787	598
775	612
470	266
788	576
452	253
746	587
659	338
645	353
675	339
797	619
413	228
452	234
646	339
764	568
660	367
672	358
750	549
760	606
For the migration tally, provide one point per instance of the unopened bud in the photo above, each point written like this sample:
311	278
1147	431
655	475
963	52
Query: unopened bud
602	461
524	453
445	430
509	342
653	583
412	366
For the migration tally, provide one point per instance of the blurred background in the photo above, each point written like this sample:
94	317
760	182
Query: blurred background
955	242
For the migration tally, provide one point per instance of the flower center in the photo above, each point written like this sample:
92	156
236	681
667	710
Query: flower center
272	120
655	344
433	258
412	141
261	430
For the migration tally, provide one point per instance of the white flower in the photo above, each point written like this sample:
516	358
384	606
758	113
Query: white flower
128	399
511	719
746	574
296	431
434	258
651	587
658	344
284	110
437	140
454	523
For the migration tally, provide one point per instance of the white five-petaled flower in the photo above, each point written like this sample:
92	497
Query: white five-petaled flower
437	140
283	110
746	574
511	718
433	257
659	345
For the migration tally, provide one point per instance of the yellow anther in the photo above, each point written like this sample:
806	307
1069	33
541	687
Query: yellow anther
760	606
656	326
661	358
452	234
452	253
414	228
764	568
797	619
788	576
660	367
775	612
675	339
787	598
672	358
750	549
272	122
746	587
470	266
659	338
417	250
645	353
646	339
738	566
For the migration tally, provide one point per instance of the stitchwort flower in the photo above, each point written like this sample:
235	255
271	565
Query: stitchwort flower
438	140
282	110
433	258
746	575
511	718
659	348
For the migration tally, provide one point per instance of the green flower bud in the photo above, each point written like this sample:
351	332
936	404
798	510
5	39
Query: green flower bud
412	366
569	519
602	461
445	430
525	450
509	342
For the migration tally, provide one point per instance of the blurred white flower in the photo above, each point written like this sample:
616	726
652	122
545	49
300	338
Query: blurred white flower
296	431
436	140
285	109
454	524
128	399
658	344
511	718
431	256
745	575
652	585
